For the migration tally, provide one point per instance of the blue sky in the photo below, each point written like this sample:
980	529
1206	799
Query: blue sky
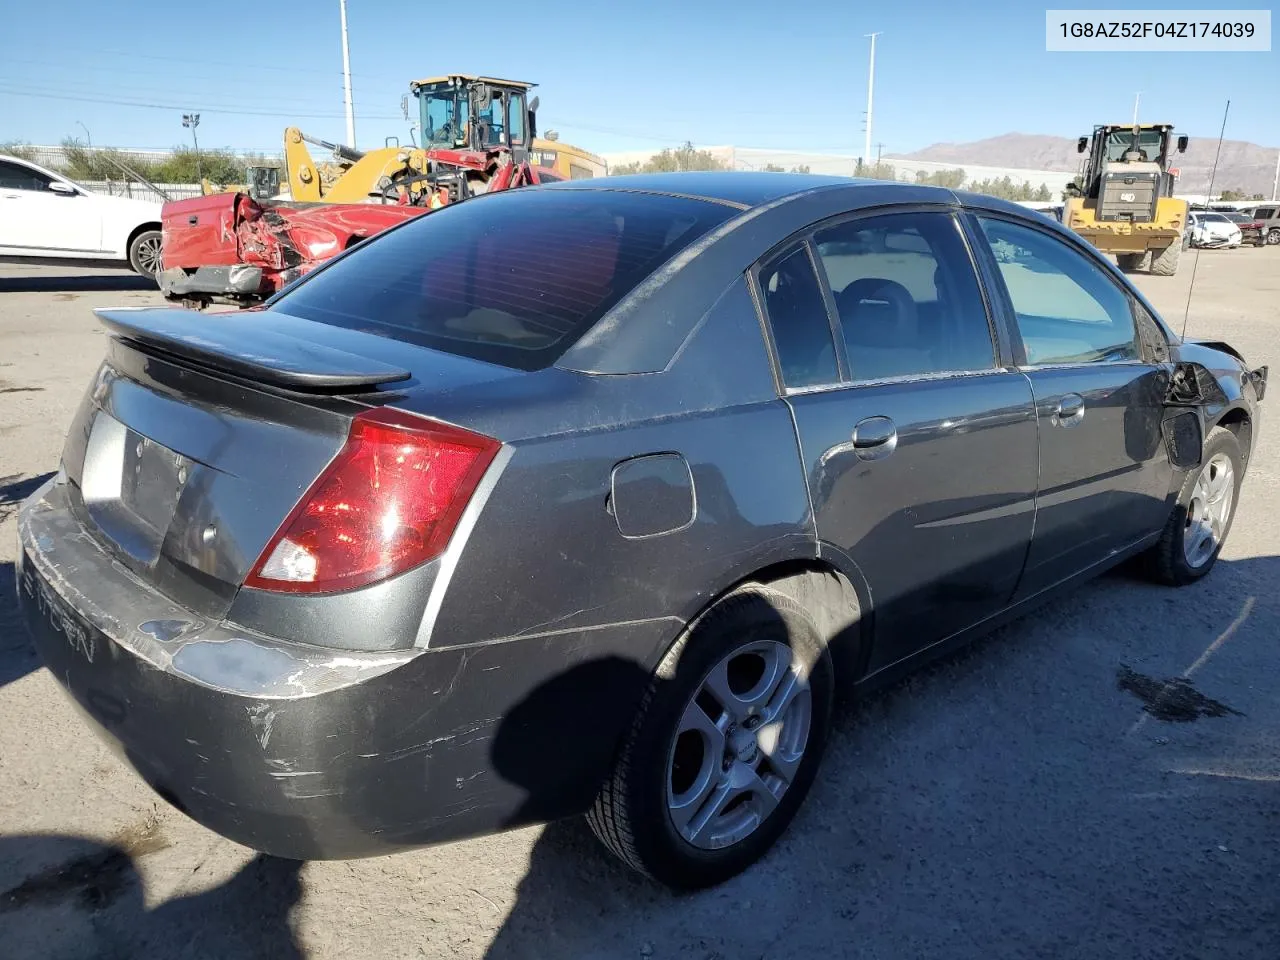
611	76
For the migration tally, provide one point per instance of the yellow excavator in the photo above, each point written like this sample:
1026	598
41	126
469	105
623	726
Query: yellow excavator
1123	201
476	131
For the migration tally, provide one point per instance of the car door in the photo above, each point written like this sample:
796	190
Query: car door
37	219
918	443
1100	393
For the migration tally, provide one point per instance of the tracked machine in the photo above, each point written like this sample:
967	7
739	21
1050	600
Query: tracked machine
479	135
1123	201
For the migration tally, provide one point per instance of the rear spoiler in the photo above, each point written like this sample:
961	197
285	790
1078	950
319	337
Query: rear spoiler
242	345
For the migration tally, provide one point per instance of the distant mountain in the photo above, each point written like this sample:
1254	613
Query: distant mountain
1243	166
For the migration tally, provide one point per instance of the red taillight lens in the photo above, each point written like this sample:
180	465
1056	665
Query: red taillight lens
389	501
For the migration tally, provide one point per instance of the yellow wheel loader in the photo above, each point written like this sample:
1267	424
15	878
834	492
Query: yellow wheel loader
1123	201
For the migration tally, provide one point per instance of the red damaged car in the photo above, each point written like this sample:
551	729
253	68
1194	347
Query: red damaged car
229	248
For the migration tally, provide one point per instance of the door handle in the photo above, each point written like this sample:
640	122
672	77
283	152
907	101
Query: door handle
1070	410
874	438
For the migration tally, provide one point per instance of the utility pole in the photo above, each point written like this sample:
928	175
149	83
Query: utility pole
879	151
871	83
1136	100
346	77
192	120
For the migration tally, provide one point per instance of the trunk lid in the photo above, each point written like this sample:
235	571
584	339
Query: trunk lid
201	432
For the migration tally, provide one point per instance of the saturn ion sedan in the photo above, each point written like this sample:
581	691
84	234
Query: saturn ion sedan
591	499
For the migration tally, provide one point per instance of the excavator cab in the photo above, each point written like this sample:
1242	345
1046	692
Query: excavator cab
481	114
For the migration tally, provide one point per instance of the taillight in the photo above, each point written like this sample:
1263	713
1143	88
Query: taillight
389	501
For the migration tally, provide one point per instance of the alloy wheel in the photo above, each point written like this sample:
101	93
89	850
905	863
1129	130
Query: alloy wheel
149	255
1209	511
739	744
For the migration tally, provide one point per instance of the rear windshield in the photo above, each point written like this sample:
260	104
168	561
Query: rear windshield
514	278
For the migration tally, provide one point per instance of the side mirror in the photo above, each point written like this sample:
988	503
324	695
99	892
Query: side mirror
1182	143
533	105
65	189
1081	144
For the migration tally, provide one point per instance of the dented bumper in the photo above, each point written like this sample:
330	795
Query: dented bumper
307	752
240	280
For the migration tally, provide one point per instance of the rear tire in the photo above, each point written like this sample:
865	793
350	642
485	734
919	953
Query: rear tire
145	253
1273	237
1133	262
1165	263
1174	561
679	761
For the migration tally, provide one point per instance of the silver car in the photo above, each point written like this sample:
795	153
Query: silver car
592	498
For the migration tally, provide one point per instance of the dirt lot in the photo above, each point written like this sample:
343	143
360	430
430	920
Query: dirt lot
1014	801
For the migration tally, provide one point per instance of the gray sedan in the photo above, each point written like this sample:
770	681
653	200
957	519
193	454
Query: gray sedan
593	498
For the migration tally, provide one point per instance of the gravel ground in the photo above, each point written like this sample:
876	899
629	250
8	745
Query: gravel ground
1013	801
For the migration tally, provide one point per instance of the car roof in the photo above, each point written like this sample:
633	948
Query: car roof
742	189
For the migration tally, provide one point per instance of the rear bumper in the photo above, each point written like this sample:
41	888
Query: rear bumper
240	280
311	753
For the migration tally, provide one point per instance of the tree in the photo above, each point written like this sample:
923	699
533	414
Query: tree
951	179
802	168
23	151
217	166
1233	195
1007	189
772	168
685	157
875	171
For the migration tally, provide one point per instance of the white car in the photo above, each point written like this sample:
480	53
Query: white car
1212	229
44	215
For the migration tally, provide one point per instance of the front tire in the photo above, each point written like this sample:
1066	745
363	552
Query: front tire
145	253
725	746
1201	519
1273	237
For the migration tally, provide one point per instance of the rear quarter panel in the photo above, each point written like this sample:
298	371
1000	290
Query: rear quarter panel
547	554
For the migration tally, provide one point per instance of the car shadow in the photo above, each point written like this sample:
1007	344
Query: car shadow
17	654
951	828
81	897
91	283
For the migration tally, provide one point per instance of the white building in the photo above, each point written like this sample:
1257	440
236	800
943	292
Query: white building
754	158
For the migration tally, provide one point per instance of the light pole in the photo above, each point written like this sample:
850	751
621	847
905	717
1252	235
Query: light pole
346	77
1275	181
192	120
87	137
871	84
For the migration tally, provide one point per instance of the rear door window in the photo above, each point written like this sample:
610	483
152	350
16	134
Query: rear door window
514	278
798	320
907	296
